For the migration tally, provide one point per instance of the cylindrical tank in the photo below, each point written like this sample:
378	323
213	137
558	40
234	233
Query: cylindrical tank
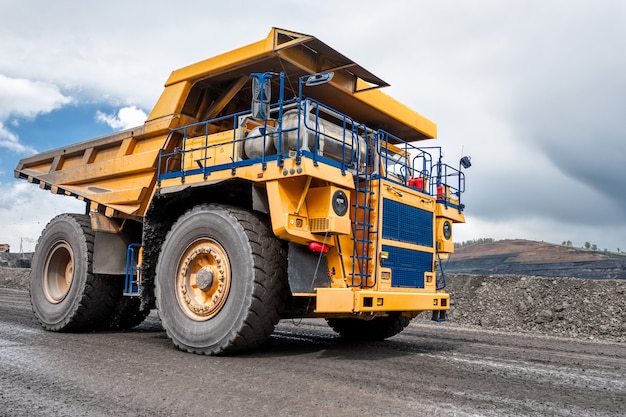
348	147
308	133
330	138
260	141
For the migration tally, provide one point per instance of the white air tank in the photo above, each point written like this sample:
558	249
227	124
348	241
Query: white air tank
260	141
329	136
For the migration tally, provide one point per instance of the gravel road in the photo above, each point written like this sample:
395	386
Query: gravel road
305	370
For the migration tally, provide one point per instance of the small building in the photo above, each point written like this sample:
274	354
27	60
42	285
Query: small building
4	248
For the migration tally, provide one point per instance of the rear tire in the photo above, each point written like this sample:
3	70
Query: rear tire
378	328
127	312
220	281
64	292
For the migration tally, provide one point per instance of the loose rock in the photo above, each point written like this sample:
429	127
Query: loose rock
566	307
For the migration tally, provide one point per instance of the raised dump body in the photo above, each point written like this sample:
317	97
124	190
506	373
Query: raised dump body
275	180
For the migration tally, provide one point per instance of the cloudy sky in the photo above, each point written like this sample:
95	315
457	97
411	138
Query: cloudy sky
533	90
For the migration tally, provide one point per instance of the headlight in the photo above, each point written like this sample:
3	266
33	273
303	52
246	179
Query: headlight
447	229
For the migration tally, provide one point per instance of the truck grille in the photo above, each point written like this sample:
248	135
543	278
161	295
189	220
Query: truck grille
319	225
404	223
408	266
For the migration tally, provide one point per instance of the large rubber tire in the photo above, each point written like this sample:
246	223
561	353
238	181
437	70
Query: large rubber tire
65	294
378	328
220	281
127	312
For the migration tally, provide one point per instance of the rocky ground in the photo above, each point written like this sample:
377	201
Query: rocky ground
579	308
568	307
16	278
15	260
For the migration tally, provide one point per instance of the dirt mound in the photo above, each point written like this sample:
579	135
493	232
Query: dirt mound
560	307
16	278
15	260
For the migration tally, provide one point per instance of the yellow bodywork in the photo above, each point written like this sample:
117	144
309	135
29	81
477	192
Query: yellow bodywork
351	300
116	175
353	89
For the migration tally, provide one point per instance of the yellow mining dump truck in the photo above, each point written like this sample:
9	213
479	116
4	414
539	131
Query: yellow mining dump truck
273	181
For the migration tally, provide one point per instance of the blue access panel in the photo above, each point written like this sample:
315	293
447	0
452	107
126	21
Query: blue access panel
404	223
407	266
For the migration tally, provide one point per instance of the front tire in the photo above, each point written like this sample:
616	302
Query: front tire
220	281
64	292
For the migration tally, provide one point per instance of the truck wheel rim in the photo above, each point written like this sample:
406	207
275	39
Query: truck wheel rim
59	272
203	279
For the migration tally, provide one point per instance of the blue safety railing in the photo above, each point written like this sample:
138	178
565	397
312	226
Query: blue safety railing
438	179
172	164
306	128
132	282
403	162
448	186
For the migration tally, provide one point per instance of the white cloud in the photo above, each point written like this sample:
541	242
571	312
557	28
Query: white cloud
529	88
125	118
10	141
25	210
20	97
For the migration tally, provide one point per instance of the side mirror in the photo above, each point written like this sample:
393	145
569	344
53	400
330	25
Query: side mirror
318	79
466	162
261	95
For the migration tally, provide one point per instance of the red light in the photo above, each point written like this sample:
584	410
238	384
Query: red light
418	183
318	247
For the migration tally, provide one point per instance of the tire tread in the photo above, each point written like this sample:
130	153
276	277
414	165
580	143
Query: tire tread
269	284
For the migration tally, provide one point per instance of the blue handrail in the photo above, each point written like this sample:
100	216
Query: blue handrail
322	134
132	282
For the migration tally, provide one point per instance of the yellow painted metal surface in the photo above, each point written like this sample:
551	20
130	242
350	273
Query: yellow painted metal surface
349	300
444	244
450	213
313	221
116	175
118	172
334	300
353	90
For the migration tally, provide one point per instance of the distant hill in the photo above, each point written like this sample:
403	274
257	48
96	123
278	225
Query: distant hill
525	257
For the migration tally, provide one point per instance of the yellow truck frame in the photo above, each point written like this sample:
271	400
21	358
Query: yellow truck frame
233	207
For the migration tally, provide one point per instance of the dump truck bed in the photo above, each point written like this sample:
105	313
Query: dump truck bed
116	174
117	171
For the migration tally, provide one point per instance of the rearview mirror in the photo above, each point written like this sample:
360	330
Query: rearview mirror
318	79
261	95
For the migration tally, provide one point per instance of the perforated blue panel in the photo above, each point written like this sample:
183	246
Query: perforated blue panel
407	266
408	224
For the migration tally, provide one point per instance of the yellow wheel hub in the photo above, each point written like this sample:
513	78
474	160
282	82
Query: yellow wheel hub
203	279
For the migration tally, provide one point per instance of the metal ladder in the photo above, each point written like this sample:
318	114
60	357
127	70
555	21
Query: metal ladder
132	282
363	228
